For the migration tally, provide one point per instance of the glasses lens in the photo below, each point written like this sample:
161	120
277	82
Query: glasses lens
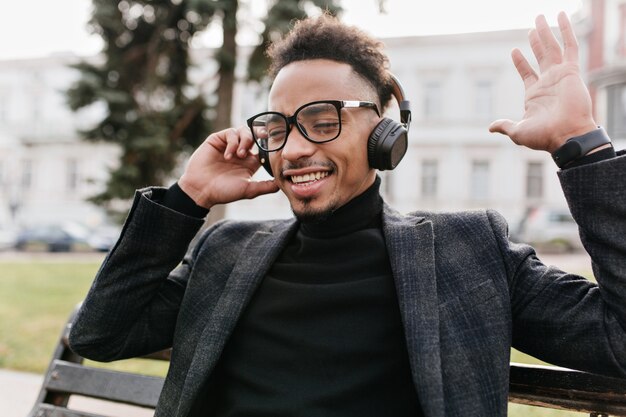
270	130
320	122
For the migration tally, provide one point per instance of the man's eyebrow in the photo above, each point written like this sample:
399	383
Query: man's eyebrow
317	109
273	118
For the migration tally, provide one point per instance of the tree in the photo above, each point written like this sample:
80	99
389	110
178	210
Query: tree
151	110
278	21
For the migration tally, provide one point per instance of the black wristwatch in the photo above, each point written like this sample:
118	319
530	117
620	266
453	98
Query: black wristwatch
578	146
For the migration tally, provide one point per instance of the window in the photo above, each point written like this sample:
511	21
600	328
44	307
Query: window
36	96
4	105
483	94
72	174
479	180
27	174
36	108
534	180
432	100
429	178
616	120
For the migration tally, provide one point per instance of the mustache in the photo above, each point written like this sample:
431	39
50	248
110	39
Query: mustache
306	163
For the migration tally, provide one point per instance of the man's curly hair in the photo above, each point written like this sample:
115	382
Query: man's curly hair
325	37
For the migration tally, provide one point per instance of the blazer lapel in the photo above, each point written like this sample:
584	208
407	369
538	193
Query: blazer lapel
254	262
410	244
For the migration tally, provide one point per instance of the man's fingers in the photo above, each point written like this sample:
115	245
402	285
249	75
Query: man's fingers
504	126
238	142
570	44
232	142
552	53
535	44
257	188
525	70
245	141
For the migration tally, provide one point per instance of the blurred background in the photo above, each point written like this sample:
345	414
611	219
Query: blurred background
100	98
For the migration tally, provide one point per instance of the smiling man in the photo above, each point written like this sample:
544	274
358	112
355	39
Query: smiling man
350	308
319	179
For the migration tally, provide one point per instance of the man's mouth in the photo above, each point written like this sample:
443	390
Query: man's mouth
310	177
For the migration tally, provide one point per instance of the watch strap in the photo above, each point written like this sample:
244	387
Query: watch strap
579	146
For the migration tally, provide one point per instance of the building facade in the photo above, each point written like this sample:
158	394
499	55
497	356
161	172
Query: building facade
46	171
603	29
457	85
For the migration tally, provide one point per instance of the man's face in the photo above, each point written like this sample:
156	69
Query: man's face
318	178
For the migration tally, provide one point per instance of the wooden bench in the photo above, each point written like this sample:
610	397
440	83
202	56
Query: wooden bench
541	386
67	377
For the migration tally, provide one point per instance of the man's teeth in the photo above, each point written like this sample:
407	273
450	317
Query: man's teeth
296	179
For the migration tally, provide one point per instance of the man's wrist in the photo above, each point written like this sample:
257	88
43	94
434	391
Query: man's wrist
579	146
176	199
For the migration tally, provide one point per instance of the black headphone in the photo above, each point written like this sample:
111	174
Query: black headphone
387	143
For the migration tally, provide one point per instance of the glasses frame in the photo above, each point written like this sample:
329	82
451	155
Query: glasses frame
293	120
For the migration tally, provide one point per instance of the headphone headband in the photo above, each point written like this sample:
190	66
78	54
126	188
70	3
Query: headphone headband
403	104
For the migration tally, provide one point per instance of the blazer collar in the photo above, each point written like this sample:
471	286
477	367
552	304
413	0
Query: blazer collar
410	244
254	261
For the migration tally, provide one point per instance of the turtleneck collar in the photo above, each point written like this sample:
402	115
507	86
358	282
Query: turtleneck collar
361	212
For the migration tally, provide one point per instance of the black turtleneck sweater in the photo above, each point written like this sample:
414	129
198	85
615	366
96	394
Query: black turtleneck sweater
322	336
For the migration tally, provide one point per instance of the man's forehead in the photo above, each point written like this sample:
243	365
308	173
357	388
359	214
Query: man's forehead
304	81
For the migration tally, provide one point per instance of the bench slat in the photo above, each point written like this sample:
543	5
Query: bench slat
47	410
140	390
567	389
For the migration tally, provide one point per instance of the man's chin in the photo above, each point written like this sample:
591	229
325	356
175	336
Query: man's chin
308	214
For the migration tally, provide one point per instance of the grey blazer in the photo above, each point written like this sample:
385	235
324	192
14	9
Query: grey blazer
466	295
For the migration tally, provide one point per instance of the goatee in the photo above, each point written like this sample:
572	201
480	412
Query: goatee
308	215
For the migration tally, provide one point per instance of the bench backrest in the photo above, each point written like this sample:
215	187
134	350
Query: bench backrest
67	376
541	386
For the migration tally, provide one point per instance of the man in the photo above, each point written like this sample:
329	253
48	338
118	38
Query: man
352	309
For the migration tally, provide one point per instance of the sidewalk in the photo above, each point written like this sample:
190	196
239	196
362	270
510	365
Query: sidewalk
19	390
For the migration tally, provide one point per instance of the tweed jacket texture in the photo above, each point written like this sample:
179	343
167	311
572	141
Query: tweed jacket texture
466	295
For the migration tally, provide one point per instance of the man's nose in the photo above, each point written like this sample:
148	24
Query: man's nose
297	146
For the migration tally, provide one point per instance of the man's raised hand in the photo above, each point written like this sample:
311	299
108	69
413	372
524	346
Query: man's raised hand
220	171
557	102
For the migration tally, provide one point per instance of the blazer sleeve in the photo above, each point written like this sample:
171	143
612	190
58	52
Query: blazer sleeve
563	318
131	307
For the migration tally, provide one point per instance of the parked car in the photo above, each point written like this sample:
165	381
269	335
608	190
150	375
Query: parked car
64	237
548	229
103	238
8	237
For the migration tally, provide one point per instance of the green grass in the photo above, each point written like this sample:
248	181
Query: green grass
35	300
36	297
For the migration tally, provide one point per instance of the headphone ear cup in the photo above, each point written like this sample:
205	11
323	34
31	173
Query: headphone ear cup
387	144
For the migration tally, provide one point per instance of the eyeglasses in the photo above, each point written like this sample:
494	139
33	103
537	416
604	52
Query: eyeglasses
319	122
